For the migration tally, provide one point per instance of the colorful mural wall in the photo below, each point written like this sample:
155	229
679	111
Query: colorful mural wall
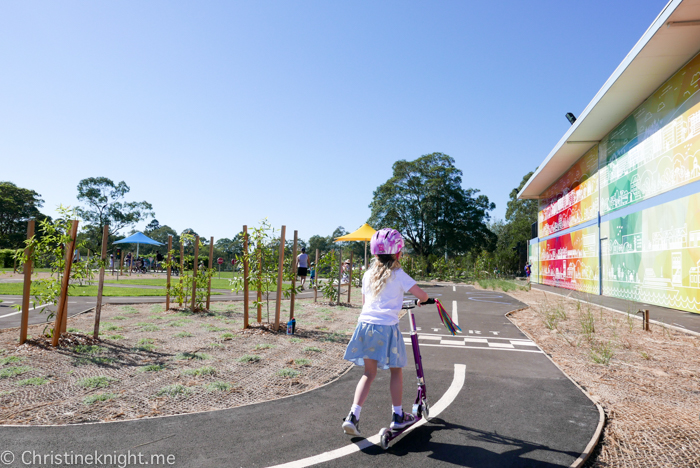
571	261
654	255
657	147
533	256
571	200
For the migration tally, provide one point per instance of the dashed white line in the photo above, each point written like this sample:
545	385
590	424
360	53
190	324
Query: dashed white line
455	316
435	410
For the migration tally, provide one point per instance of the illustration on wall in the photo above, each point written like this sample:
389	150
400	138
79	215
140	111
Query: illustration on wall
571	261
657	148
653	255
573	199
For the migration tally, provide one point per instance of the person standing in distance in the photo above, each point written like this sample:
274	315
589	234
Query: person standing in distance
302	265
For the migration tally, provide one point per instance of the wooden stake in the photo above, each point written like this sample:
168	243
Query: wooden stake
294	275
245	276
260	265
316	277
24	322
182	266
62	310
194	272
350	276
280	267
101	281
211	259
167	275
340	271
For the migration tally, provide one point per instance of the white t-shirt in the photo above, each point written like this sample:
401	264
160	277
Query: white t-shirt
384	309
303	260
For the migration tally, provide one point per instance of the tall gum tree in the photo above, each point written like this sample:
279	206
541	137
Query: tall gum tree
425	201
104	204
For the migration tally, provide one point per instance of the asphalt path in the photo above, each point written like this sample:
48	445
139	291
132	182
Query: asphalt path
501	403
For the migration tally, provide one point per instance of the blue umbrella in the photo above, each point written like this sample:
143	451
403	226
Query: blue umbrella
138	238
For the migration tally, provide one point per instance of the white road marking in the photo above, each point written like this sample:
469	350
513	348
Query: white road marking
483	298
454	288
495	333
476	340
455	317
448	342
487	348
523	343
19	311
501	345
435	410
435	329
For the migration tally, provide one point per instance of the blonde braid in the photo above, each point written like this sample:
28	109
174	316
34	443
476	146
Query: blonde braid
380	272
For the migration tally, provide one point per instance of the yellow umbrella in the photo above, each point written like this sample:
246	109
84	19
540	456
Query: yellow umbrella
365	233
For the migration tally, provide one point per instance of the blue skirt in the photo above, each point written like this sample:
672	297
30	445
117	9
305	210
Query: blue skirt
383	343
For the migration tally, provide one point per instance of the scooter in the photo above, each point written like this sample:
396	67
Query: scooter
421	408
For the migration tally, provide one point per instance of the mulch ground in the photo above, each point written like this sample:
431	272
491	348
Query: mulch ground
647	382
151	362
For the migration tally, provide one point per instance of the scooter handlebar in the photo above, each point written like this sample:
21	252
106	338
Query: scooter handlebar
429	301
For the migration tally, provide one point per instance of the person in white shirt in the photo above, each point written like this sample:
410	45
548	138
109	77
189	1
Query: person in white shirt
377	340
302	266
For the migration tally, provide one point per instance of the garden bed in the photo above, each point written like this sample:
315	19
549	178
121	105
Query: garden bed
151	362
647	382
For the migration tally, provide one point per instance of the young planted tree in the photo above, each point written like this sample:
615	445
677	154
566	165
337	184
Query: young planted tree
49	249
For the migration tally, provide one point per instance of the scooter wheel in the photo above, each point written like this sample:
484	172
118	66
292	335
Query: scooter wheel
425	409
384	435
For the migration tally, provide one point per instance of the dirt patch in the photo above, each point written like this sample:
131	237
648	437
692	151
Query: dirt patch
151	362
647	382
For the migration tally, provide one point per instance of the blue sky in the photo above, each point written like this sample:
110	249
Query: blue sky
223	113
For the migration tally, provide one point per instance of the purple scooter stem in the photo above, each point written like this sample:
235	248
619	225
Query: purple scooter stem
421	408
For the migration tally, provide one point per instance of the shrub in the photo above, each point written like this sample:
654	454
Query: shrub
312	349
13	371
218	386
249	358
264	346
602	353
183	334
227	336
89	349
174	390
302	362
99	381
90	399
190	356
206	370
152	368
10	359
33	381
288	373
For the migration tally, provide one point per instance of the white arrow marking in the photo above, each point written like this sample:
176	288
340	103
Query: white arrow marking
477	332
495	333
435	410
435	329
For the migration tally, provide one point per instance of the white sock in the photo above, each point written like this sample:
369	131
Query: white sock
398	410
356	411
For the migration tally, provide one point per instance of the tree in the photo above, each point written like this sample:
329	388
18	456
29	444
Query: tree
17	206
514	234
105	204
425	201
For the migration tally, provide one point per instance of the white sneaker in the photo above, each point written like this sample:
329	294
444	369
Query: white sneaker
351	425
399	422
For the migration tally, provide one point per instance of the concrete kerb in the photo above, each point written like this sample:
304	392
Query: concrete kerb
635	316
588	451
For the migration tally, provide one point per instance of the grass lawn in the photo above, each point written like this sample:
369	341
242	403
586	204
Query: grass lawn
15	289
215	283
504	285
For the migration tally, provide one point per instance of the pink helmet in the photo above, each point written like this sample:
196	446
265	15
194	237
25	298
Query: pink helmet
386	241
